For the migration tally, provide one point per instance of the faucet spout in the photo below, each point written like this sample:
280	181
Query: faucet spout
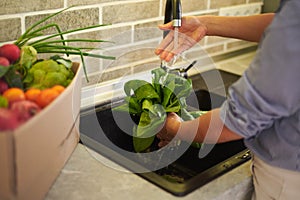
177	13
173	12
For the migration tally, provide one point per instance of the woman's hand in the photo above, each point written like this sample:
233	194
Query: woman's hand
191	32
170	129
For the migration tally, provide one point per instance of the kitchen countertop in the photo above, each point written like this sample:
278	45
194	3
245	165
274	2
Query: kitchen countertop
88	175
85	177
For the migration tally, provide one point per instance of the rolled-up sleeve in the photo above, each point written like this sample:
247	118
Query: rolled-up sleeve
269	90
246	112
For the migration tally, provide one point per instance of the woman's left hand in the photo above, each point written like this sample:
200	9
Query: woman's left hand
191	32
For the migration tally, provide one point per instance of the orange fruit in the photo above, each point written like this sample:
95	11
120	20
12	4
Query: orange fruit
14	94
46	97
58	88
32	94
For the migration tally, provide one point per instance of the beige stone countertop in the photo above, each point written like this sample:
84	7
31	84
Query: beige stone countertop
86	178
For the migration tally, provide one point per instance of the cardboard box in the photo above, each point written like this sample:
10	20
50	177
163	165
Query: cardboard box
32	156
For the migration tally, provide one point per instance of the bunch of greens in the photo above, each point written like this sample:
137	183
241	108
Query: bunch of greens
34	41
151	102
46	74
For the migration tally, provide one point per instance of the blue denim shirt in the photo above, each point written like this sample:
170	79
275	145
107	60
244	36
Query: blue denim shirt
263	106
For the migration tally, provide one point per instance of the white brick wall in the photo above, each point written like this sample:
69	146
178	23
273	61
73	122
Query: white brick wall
134	25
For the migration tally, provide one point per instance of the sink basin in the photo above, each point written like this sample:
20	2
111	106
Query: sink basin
182	176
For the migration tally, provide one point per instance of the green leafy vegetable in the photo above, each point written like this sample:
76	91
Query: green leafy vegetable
27	58
38	42
46	74
12	77
3	70
152	101
3	102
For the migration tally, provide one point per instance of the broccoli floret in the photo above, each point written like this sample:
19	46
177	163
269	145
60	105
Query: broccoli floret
48	73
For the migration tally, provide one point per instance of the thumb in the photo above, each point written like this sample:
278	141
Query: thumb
173	115
167	26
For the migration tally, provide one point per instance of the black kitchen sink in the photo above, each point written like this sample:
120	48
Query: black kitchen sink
100	132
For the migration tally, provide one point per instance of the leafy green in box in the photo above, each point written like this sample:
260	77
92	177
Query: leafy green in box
151	102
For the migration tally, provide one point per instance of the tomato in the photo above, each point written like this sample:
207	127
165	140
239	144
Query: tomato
14	94
46	97
58	88
4	62
32	94
11	52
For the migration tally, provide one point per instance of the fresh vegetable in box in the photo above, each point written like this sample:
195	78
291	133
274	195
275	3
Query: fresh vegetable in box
28	83
46	74
10	52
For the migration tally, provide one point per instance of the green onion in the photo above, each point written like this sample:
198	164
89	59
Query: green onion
43	44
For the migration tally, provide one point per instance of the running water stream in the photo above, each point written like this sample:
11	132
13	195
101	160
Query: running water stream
176	37
175	44
169	154
173	145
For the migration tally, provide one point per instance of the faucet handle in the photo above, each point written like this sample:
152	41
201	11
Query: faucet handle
180	70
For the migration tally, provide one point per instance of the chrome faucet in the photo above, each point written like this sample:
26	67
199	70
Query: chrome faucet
173	12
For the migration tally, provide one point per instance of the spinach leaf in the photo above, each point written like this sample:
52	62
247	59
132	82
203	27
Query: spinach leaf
131	106
3	70
140	89
152	101
12	78
150	123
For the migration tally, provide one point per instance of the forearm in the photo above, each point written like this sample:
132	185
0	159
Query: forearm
248	28
209	128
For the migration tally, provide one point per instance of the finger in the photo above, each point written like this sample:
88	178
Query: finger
184	43
165	43
163	136
159	136
172	115
158	51
168	53
181	48
160	144
168	56
163	143
167	26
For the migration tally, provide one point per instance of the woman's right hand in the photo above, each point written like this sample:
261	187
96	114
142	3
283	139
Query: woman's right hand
170	129
191	32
